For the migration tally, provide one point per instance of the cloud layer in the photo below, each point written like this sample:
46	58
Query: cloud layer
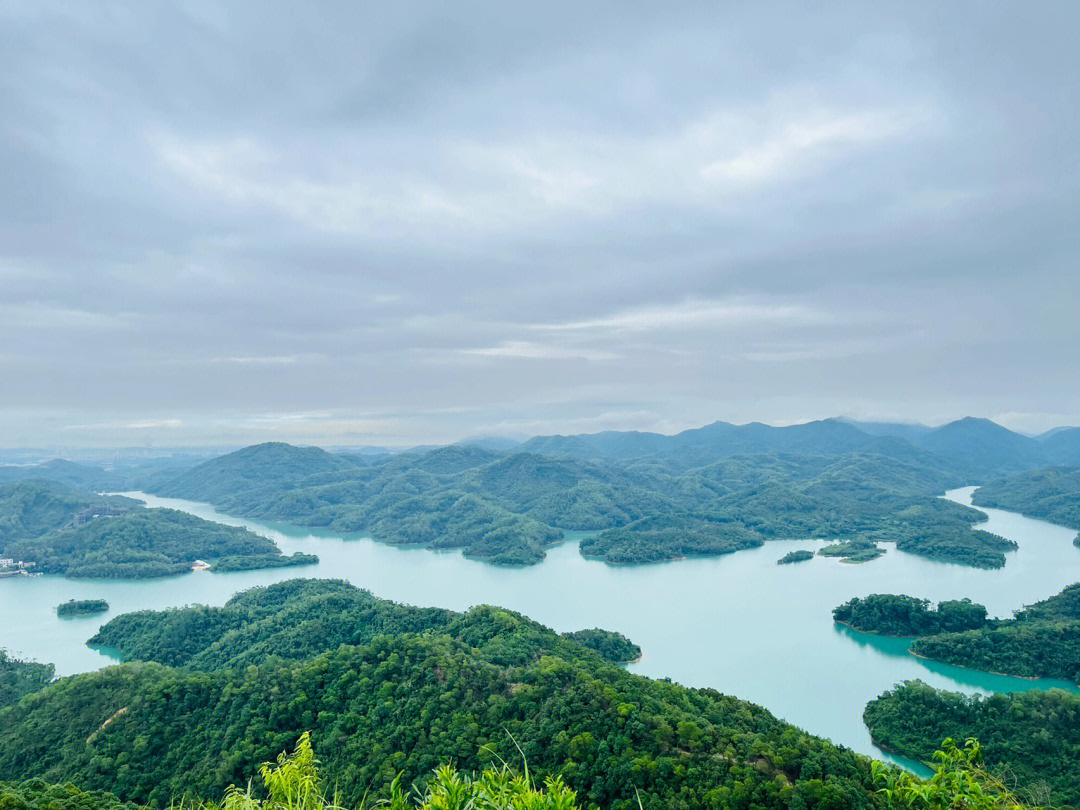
361	223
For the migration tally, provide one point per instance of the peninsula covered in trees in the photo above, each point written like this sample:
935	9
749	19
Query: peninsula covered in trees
1051	494
900	615
62	530
1042	641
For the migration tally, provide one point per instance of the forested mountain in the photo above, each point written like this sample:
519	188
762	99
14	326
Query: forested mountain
508	508
1031	737
1051	494
471	692
273	464
19	678
1042	641
136	543
981	446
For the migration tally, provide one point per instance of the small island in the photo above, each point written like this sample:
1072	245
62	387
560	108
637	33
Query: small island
802	555
853	551
81	607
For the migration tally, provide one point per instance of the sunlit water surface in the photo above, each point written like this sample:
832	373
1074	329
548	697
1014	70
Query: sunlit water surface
739	623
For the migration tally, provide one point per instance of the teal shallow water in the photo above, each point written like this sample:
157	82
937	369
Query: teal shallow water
738	623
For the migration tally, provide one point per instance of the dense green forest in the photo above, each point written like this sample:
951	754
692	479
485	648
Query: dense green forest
81	607
1042	641
296	781
19	678
37	794
853	551
612	646
33	508
510	507
147	543
468	691
1032	737
801	555
1050	494
900	615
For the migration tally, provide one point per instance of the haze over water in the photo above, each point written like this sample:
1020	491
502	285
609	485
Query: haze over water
738	623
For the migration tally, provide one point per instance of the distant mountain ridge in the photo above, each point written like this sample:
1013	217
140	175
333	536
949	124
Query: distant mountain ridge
973	444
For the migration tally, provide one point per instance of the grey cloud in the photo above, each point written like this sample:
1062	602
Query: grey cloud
416	222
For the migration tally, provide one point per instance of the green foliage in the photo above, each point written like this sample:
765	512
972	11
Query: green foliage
1043	641
1032	738
293	620
1050	494
36	794
81	607
410	702
148	543
853	551
801	555
960	781
612	646
18	678
900	615
509	508
665	537
32	508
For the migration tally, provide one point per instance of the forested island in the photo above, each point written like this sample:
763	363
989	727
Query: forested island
834	482
62	530
1042	641
429	687
801	555
81	607
1033	736
853	551
900	615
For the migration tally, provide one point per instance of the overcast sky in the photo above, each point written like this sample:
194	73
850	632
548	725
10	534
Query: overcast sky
393	223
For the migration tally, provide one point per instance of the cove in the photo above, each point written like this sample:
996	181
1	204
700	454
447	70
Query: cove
738	623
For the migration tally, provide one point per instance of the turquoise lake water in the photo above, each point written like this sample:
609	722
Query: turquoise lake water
738	623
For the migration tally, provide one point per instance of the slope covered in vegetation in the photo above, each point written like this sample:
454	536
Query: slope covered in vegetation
32	508
1033	736
1042	641
19	678
470	693
1050	494
148	543
509	508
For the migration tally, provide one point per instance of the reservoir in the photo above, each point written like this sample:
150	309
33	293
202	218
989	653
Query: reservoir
738	623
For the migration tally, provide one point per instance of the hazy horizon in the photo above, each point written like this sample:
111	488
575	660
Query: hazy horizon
350	224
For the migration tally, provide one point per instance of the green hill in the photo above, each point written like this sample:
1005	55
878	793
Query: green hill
509	508
1032	737
470	692
148	543
1051	494
1042	641
32	508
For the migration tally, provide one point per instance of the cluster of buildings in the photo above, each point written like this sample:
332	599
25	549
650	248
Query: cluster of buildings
15	568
